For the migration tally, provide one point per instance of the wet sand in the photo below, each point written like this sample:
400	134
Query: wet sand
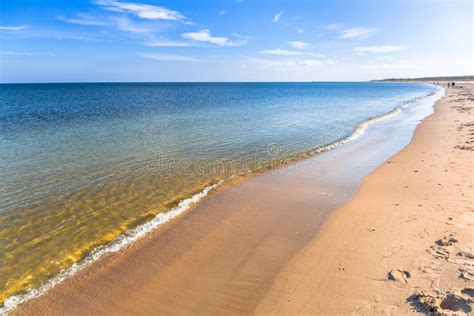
251	247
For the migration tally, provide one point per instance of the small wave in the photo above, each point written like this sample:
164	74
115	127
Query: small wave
119	243
362	126
358	131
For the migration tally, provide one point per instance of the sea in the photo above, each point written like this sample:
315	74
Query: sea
88	168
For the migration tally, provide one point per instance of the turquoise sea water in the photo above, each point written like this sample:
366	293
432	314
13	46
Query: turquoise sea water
83	163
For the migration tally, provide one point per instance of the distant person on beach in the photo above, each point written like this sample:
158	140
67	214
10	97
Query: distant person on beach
449	84
452	84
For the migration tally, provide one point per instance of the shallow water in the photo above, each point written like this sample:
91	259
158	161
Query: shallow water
82	163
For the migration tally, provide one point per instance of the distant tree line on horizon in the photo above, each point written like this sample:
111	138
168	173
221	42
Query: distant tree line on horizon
443	78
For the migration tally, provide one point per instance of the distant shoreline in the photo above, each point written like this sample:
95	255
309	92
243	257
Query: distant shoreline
424	79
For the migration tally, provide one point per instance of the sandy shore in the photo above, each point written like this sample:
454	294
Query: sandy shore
251	247
412	221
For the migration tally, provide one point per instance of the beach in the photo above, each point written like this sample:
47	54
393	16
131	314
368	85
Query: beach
236	157
411	221
90	175
307	239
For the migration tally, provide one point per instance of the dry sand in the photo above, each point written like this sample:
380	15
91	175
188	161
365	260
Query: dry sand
251	248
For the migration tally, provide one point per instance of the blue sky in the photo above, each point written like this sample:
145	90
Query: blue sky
233	40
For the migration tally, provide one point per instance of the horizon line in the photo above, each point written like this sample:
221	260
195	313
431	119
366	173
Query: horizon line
447	77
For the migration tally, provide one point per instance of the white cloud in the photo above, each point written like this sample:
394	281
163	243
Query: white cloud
144	11
26	54
380	49
240	39
277	17
315	55
120	22
206	37
13	28
83	19
357	32
222	12
300	31
385	57
124	24
165	57
280	52
299	45
242	36
166	43
316	62
237	42
288	64
334	26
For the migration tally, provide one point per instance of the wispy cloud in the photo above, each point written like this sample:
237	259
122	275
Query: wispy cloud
205	36
166	43
280	52
380	49
143	11
26	54
120	22
333	26
299	45
222	12
2	61
300	31
316	62
357	32
246	37
277	17
288	64
83	19
13	28
315	54
165	57
123	24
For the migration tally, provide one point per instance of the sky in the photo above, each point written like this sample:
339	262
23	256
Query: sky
233	40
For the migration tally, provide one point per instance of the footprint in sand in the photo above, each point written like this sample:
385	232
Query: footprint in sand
467	272
446	240
439	252
464	259
444	303
399	276
441	249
